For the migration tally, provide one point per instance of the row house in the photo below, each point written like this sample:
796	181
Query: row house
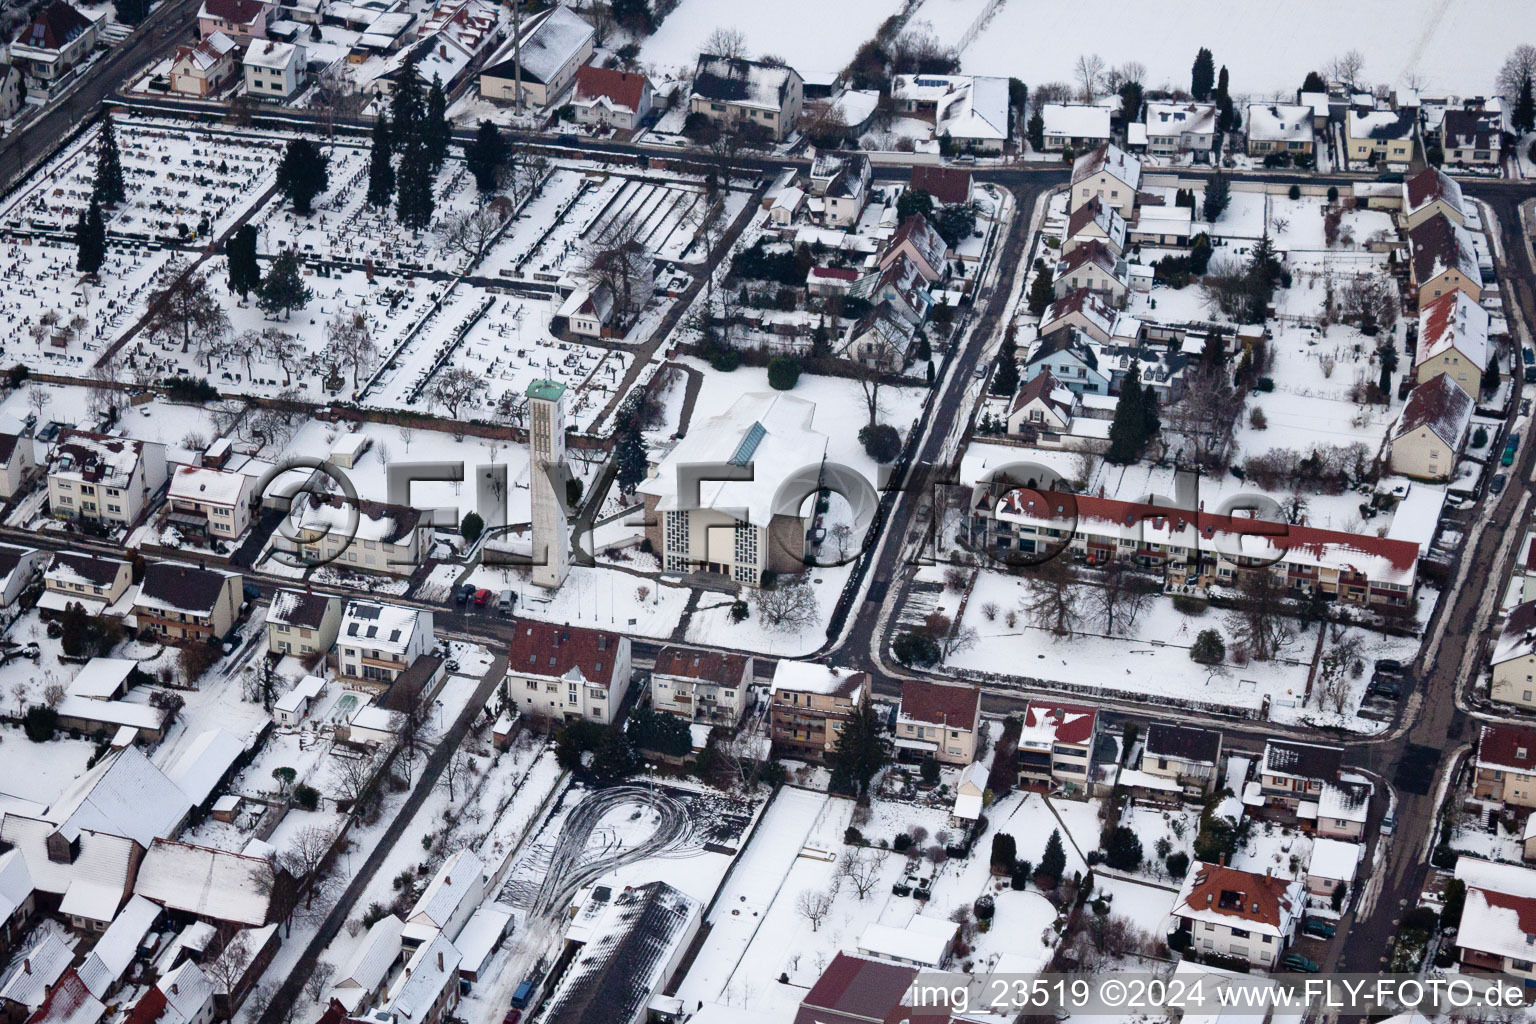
212	503
1194	548
567	672
810	704
104	479
704	687
376	643
184	603
939	720
1056	745
302	623
1453	341
1442	260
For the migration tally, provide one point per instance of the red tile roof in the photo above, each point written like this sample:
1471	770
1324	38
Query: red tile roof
622	88
65	999
1074	722
236	12
551	649
835	273
713	666
1083	216
149	1008
1509	746
1092	251
855	988
945	184
1523	906
940	703
1240	894
1441	405
1431	184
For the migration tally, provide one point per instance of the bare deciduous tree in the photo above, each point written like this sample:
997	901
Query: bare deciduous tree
1206	415
453	387
726	42
1346	68
788	605
1053	597
1120	598
1090	71
350	343
319	981
814	905
472	232
1518	68
862	869
1342	653
1258	620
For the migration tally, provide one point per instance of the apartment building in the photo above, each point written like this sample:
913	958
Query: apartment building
810	704
706	687
377	643
567	672
1056	745
212	503
184	603
103	479
1238	913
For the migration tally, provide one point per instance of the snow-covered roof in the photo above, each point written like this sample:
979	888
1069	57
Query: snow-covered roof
99	458
112	712
296	608
1441	405
118	946
1334	859
209	486
1518	637
207	54
461	878
746	83
1165	119
1106	218
1075	121
1110	159
1380	124
549	44
375	956
1226	896
101	678
203	763
69	568
1453	321
35	970
1317	102
810	677
1279	122
124	795
267	53
1048	723
923	940
324	515
373	718
69	1002
1440	244
769	431
434	966
380	627
1348	799
199	880
1429	185
15	882
978	110
1500	912
102	858
480	934
173	587
187	991
307	689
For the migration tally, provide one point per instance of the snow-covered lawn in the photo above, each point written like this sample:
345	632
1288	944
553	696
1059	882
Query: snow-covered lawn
809	36
1269	48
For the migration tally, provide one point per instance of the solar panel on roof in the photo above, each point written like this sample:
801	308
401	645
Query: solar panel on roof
749	442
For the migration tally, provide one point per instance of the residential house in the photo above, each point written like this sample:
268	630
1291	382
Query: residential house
607	96
70	1001
1095	222
1433	427
33	972
377	643
938	720
1095	267
840	182
86	879
427	991
18	899
975	116
1042	406
923	941
1506	765
103	970
203	68
1238	913
228	890
447	902
1056	745
1188	755
1180	129
370	536
567	672
919	241
55	42
302	623
19	569
810	704
104	479
1074	127
1443	260
1431	193
11	81
1193	547
825	282
901	284
971	792
1342	808
858	989
1453	342
1514	658
1159	223
95	584
244	21
555	45
362	982
1293	772
1068	357
273	70
17	458
212	503
737	527
1109	174
1380	137
1280	128
706	687
182	603
1087	312
1472	138
949	186
881	338
1498	919
291	707
733	91
587	311
182	995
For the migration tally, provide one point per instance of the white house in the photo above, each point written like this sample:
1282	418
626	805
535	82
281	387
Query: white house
17	463
447	901
215	503
1175	129
302	623
378	642
1109	174
611	97
201	69
708	687
565	672
273	70
555	43
1074	126
104	479
1238	913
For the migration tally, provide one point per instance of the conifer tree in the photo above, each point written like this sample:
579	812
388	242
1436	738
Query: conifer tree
414	202
244	271
406	107
110	189
303	174
1524	115
1203	75
436	132
1127	433
1041	292
486	156
381	171
1053	862
90	239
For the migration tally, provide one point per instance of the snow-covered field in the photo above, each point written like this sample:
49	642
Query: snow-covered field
811	36
1269	48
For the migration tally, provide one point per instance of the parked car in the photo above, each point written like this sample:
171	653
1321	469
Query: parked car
1508	458
1382	688
1388	667
483	597
1299	963
1388	823
1317	927
522	995
466	591
505	602
512	1017
1497	486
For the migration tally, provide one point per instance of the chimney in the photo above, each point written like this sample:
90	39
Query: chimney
26	965
174	988
439	959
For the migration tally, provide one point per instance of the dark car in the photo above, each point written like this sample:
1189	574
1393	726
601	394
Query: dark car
1497	486
251	591
1389	667
1297	962
466	592
1319	928
483	598
512	1017
1382	688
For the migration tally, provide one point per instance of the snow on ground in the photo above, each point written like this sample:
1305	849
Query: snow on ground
810	36
1270	48
597	597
